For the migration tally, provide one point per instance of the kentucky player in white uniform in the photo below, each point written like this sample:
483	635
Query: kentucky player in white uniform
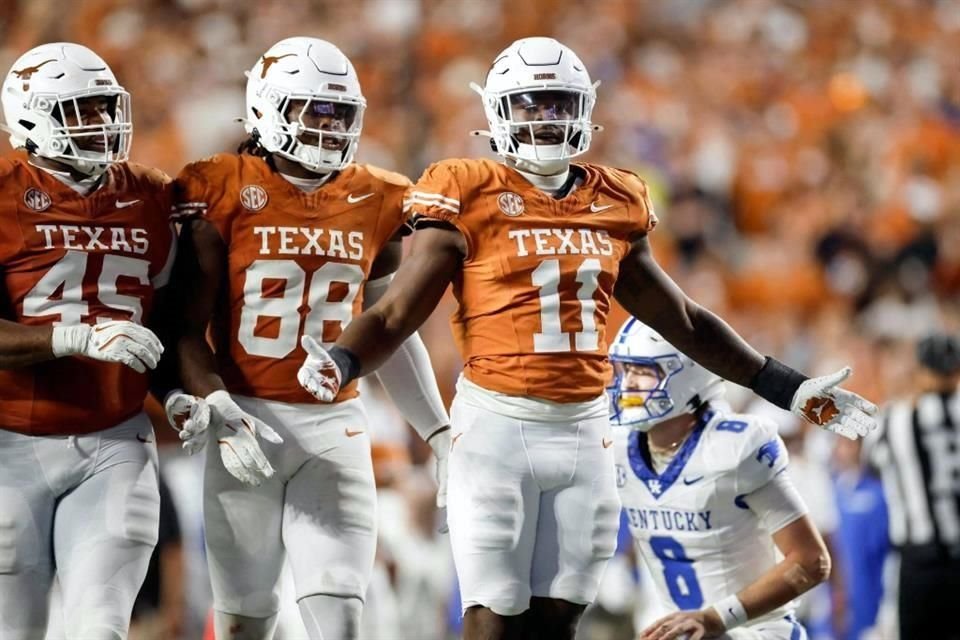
717	521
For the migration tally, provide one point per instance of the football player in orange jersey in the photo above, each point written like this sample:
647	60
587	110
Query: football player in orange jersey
85	244
290	240
535	248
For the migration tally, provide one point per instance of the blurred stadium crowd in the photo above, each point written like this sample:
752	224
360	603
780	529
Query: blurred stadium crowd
804	157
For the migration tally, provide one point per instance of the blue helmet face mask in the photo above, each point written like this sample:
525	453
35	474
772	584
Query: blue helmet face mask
639	395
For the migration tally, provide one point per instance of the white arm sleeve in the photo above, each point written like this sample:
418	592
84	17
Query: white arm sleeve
777	503
408	376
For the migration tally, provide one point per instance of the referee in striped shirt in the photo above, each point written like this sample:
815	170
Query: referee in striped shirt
917	451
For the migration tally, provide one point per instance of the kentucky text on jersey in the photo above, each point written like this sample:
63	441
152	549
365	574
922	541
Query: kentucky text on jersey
669	519
294	241
90	238
561	242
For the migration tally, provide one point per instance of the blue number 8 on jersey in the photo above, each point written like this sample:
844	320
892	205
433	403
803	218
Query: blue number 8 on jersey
678	572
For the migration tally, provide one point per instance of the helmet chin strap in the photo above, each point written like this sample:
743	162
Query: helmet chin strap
541	167
88	167
309	157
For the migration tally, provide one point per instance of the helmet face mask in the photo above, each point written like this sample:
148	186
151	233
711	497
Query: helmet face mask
93	128
544	124
304	104
538	100
62	102
653	381
638	394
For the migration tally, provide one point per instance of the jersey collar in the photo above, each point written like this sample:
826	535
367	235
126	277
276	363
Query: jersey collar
657	484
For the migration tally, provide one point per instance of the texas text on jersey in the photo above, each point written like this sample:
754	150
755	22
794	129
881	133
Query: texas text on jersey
68	259
543	267
297	261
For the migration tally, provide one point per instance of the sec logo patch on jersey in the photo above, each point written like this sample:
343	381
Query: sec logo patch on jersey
36	199
253	197
510	204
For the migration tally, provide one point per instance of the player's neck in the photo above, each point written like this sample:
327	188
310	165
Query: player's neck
299	176
549	179
670	433
80	182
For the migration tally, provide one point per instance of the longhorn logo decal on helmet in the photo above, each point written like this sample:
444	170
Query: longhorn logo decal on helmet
269	61
27	72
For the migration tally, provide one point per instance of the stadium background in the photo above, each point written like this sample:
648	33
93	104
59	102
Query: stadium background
802	156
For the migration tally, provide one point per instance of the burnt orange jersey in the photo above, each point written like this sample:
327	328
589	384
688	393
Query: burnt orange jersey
296	263
537	281
68	258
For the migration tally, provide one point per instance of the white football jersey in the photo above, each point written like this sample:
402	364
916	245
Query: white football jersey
693	524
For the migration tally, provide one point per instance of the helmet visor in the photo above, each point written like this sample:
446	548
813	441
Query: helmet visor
327	124
543	116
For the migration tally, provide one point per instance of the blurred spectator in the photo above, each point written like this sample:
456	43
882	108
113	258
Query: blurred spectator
862	538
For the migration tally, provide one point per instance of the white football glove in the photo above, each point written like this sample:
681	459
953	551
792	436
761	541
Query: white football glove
236	432
440	443
822	402
190	416
115	341
318	374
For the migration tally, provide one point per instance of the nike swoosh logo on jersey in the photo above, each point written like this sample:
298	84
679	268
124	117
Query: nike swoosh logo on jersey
689	481
597	209
351	434
606	442
129	203
142	439
351	199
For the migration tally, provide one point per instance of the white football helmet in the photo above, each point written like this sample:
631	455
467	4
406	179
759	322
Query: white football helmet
309	77
42	98
653	381
537	87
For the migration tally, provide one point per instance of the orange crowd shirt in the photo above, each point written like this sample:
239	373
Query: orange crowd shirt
70	259
537	282
297	263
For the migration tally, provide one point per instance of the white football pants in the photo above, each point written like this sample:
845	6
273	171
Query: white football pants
85	508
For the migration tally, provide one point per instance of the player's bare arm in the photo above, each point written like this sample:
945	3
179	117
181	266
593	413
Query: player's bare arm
21	345
648	293
199	274
387	261
163	322
407	376
805	564
116	341
422	279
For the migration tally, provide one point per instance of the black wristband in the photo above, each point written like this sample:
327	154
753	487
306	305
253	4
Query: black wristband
777	382
347	362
